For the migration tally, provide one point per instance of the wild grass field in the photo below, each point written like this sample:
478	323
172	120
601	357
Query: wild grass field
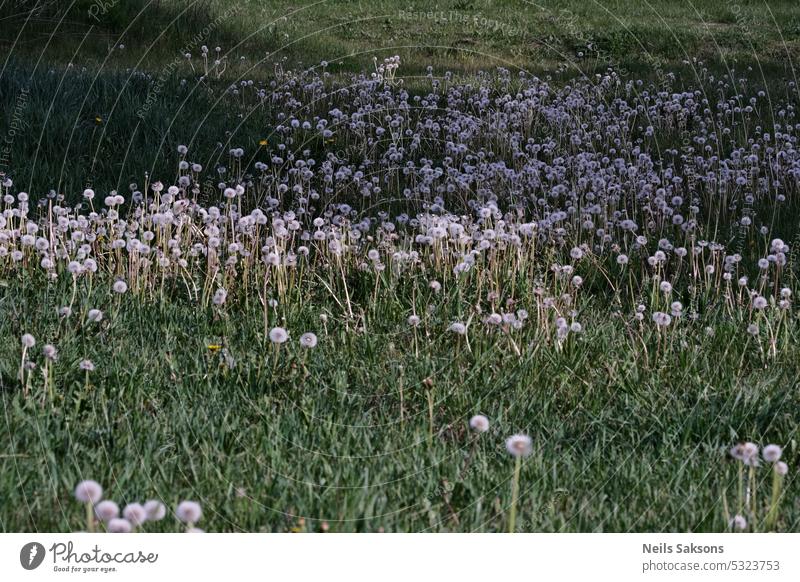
532	268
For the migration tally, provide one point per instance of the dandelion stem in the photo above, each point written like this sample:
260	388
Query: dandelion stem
22	366
512	518
429	394
89	517
772	514
741	487
751	496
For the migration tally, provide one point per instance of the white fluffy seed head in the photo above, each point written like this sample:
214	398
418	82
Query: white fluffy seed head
135	513
278	335
106	510
189	512
50	352
119	525
155	510
772	453
479	423
220	296
308	340
458	328
28	340
519	445
747	453
88	491
738	522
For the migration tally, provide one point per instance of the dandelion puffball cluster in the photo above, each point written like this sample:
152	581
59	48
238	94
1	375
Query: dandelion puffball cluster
749	514
479	192
132	516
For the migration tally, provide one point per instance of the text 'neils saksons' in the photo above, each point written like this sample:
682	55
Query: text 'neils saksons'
664	548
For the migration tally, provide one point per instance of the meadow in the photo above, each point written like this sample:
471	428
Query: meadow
487	285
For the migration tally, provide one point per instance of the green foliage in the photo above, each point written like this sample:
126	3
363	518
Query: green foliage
630	431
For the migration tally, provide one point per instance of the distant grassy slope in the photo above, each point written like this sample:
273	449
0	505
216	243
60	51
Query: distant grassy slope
462	34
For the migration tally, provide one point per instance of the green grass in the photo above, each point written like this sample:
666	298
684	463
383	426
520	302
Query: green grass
459	34
630	429
630	432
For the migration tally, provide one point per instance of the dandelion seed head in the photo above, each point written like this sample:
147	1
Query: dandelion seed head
220	296
135	513
119	525
746	452
494	319
189	512
662	319
458	328
772	453
88	491
738	522
308	340
278	335
50	352
479	423
155	510
106	510
519	445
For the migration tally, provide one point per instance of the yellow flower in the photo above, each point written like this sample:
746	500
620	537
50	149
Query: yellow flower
263	142
98	120
214	347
